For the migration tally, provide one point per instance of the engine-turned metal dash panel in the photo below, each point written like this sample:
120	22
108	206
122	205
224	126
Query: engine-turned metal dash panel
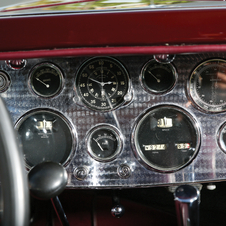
104	154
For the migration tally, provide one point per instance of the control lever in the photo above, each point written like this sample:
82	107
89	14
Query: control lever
46	181
187	199
118	209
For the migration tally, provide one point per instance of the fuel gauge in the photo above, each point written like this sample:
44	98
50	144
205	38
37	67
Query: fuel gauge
104	142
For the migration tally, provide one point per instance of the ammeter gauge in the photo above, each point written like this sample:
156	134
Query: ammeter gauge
104	142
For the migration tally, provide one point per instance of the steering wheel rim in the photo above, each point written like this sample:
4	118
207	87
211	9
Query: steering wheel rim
14	184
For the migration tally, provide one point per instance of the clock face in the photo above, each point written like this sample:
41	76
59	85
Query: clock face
102	83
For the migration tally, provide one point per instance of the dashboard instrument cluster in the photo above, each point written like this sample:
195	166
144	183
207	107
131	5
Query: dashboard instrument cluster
122	121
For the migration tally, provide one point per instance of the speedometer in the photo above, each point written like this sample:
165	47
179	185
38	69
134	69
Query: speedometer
166	138
207	85
102	83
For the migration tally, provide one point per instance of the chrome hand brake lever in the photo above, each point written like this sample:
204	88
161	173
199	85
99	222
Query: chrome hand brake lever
187	199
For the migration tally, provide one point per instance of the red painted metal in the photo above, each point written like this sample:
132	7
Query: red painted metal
101	51
134	28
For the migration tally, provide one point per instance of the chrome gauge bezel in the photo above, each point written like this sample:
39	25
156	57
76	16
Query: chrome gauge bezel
152	91
126	97
136	148
69	124
219	137
119	138
192	91
32	74
6	81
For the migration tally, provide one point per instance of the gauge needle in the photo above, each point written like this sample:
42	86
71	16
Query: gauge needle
47	85
98	144
158	80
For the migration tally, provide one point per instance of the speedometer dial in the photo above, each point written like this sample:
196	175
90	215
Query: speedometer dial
102	83
207	85
166	138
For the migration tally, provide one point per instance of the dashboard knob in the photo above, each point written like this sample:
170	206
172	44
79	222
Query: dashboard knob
117	211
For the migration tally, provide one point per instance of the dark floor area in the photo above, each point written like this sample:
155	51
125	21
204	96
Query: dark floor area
143	206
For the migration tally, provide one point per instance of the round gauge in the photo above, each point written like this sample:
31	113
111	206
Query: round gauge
158	78
4	81
166	138
104	142
46	135
46	80
102	83
207	85
221	138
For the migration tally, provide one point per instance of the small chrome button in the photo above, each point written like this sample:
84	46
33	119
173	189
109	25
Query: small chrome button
124	171
81	173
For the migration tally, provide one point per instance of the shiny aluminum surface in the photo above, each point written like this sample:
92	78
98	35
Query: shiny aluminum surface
209	164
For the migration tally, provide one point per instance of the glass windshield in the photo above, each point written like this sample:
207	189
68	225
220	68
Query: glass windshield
46	6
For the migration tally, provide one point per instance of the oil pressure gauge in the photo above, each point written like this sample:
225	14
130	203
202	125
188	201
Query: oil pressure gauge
104	142
46	80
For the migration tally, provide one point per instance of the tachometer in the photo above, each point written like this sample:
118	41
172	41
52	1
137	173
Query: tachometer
102	83
166	138
207	85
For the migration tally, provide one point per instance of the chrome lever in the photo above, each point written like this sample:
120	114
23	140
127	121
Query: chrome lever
187	199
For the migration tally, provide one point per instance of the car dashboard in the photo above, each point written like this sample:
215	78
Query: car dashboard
129	97
159	133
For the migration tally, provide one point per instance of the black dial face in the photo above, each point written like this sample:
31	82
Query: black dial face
102	83
207	85
46	80
104	143
166	138
45	136
158	78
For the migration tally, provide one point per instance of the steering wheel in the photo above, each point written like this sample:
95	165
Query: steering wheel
14	185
